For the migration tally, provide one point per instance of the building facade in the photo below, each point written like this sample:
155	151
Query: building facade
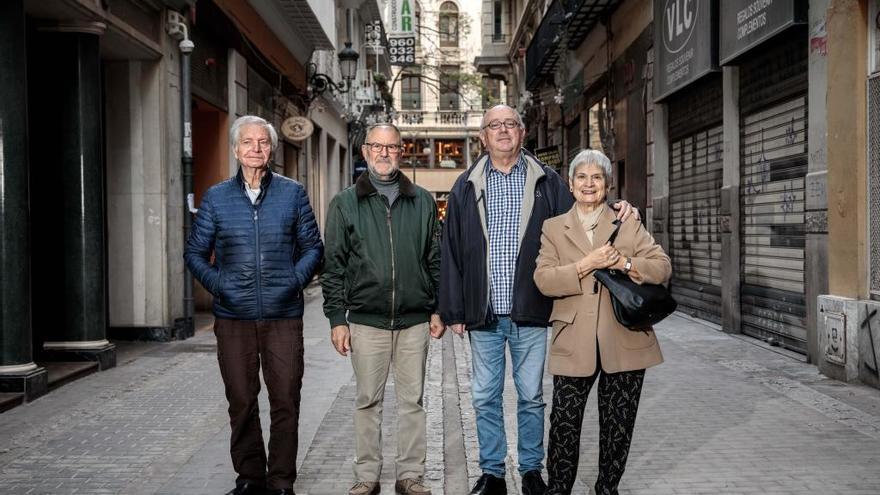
438	100
94	153
725	122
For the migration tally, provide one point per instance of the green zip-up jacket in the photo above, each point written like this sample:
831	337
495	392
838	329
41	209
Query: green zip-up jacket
381	263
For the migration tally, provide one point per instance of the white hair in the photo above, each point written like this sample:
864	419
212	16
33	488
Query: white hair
245	120
516	114
590	157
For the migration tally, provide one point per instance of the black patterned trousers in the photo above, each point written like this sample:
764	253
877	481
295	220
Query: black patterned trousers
618	404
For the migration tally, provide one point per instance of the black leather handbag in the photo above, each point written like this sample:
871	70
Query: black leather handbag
635	306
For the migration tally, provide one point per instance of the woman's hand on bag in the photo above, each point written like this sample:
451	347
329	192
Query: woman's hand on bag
603	257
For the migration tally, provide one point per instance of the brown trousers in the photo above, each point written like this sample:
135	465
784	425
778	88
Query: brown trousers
242	348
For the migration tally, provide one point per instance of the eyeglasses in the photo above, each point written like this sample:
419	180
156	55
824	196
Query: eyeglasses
393	149
496	124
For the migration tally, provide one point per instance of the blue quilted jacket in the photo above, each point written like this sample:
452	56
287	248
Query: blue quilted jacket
264	253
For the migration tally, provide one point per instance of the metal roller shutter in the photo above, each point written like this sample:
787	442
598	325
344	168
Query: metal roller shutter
773	165
874	180
696	166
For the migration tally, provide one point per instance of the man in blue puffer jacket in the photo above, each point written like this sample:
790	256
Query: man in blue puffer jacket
266	245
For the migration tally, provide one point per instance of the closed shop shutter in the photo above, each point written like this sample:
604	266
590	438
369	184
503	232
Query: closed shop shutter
773	140
696	165
874	180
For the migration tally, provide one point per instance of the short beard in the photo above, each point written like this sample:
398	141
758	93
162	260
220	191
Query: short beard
379	176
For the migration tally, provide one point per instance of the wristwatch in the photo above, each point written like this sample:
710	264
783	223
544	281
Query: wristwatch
627	266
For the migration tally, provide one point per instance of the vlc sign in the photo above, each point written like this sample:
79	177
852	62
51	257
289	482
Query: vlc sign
679	20
685	43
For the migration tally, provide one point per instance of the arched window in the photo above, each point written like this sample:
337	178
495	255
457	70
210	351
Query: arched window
448	25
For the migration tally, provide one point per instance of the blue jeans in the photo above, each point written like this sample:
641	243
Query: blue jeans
528	347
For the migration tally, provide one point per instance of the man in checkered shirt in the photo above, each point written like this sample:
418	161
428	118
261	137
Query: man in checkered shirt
490	241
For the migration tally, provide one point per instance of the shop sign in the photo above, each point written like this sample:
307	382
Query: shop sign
745	24
402	35
685	43
297	128
550	156
359	167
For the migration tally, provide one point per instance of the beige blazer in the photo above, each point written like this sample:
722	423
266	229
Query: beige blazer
582	319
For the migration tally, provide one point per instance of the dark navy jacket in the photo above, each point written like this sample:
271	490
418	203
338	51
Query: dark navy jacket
264	253
464	266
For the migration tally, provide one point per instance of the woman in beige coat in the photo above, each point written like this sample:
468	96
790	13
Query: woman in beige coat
587	341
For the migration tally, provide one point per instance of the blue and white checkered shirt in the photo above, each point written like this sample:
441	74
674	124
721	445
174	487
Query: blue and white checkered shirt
504	197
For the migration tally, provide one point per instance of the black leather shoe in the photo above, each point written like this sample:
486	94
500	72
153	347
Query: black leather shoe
533	483
490	485
247	488
281	491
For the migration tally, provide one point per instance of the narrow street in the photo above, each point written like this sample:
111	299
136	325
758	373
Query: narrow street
722	415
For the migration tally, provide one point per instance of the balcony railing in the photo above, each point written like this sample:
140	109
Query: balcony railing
411	117
584	15
461	119
569	20
543	53
452	117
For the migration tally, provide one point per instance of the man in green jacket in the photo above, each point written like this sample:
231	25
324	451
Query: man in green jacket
380	280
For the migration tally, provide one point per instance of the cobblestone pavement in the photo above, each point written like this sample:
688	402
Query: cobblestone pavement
722	415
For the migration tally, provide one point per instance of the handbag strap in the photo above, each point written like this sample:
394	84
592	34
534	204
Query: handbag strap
613	236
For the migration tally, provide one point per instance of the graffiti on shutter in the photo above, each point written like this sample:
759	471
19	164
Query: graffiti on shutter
695	176
696	166
773	166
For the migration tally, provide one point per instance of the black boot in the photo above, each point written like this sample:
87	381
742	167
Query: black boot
490	485
247	488
533	483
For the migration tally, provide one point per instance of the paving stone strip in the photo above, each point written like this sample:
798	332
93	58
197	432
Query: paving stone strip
128	439
327	468
434	407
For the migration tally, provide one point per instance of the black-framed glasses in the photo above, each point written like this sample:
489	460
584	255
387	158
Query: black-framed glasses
496	124
377	147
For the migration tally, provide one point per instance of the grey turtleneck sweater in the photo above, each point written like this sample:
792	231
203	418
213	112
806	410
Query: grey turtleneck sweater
389	188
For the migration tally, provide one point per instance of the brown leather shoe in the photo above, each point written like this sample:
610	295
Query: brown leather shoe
411	486
364	488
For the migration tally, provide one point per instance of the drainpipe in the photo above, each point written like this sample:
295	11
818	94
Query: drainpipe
177	25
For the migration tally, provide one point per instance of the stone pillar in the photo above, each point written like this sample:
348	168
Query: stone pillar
138	250
72	205
816	203
840	314
731	273
18	372
847	164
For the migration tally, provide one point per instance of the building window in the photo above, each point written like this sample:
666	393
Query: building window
497	35
491	92
450	153
449	87
411	93
448	25
416	153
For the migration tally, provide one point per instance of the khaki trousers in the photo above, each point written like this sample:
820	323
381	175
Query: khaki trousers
373	350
